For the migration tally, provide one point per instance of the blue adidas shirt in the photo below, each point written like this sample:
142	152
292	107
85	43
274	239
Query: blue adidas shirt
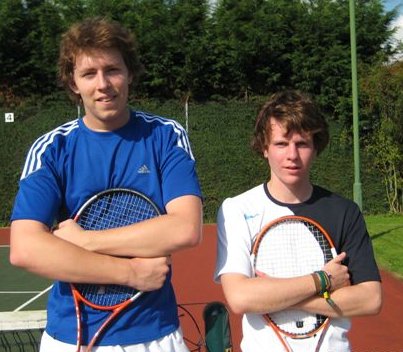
68	165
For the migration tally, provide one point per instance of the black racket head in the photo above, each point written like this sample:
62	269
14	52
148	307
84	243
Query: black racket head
111	209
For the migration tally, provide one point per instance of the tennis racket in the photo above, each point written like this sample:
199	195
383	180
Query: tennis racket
109	209
293	246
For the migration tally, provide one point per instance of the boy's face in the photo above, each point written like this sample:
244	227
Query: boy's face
102	80
290	156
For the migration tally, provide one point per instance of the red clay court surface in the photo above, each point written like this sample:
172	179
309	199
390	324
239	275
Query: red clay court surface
192	277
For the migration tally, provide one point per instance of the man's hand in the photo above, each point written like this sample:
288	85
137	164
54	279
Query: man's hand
70	231
338	273
149	273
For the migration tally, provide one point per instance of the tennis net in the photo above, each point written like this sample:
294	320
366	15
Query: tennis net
21	331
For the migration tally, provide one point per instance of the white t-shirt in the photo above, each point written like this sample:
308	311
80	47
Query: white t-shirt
239	221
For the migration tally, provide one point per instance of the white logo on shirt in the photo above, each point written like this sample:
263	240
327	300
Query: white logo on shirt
143	170
250	216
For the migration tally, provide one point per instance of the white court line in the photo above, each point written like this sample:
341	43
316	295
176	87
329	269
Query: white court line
39	293
33	299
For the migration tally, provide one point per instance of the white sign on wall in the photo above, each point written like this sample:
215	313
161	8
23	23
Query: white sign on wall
9	117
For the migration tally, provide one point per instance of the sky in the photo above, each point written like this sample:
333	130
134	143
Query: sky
389	5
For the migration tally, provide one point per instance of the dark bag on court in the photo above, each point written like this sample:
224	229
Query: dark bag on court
217	328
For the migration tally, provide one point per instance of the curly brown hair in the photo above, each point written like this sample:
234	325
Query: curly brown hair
297	112
93	34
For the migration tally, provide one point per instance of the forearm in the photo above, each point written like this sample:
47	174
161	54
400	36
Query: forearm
156	237
361	299
264	294
180	228
35	249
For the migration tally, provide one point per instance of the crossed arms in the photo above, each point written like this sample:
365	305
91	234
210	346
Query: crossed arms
265	294
136	255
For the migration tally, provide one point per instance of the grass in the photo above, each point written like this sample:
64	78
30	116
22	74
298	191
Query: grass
386	232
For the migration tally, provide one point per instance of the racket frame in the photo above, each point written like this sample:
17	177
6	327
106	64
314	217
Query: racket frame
113	190
79	298
324	326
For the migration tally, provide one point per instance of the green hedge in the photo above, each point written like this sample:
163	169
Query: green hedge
220	136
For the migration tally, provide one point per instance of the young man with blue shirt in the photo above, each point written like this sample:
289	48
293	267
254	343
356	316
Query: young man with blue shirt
111	146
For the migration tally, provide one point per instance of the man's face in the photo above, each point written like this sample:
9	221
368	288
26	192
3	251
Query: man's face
290	156
102	80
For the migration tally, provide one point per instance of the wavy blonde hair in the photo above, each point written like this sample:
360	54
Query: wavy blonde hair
96	34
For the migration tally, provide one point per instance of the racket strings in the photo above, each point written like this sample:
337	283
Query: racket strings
113	209
293	248
288	250
116	210
322	241
105	295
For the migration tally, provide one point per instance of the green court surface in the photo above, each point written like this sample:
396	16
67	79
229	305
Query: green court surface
18	287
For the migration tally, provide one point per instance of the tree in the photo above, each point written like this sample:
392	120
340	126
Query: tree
14	49
236	49
253	43
46	26
153	27
382	101
29	36
189	19
321	55
70	11
321	62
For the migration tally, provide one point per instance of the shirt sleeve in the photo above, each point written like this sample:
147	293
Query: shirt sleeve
233	243
38	197
178	166
358	246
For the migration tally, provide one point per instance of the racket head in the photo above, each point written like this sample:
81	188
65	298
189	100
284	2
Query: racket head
111	208
292	246
115	207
